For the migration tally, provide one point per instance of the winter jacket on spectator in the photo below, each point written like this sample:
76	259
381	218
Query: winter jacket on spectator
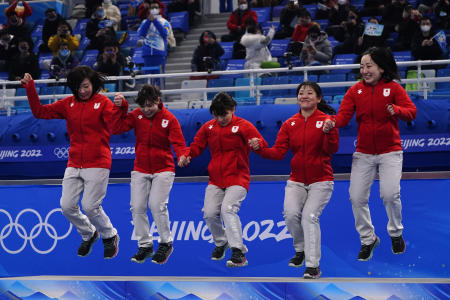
155	36
21	13
70	40
323	50
238	18
207	48
256	48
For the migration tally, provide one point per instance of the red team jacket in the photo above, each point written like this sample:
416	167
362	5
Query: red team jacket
88	126
233	19
229	151
377	130
312	148
154	138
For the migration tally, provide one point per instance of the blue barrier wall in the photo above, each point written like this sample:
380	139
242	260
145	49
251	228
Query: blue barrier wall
32	148
35	239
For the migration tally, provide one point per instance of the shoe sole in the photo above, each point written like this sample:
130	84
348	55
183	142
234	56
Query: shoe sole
223	256
309	276
167	258
231	264
377	243
90	249
142	260
117	249
296	266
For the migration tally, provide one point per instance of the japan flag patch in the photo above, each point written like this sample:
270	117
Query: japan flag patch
386	92
164	123
234	129
319	124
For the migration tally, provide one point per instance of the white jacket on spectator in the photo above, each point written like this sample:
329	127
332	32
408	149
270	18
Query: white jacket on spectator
112	12
256	48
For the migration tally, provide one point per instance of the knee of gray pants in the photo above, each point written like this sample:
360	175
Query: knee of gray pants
358	199
229	209
67	207
389	196
209	212
310	218
91	209
158	207
292	215
140	208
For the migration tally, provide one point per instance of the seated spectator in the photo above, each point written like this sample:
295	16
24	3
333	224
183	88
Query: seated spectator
91	6
154	30
191	6
349	32
52	20
144	8
21	12
372	8
112	12
63	62
317	48
237	20
442	12
288	19
207	54
23	62
300	32
406	28
110	61
8	49
392	14
99	29
62	35
424	46
255	44
338	15
18	28
366	41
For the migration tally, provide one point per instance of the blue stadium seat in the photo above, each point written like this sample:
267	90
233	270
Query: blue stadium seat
179	20
264	14
131	40
323	23
45	74
234	64
266	26
276	10
443	85
220	82
109	87
44	56
312	8
343	59
89	57
50	90
275	81
21	92
333	78
402	56
80	28
228	53
83	43
137	56
130	22
37	31
278	47
244	82
246	100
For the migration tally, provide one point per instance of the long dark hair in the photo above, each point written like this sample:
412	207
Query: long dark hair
76	76
385	60
322	105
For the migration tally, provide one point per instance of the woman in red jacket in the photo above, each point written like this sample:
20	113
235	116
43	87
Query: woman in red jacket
379	102
310	184
88	117
229	175
156	130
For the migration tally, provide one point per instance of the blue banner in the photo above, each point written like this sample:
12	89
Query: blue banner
36	239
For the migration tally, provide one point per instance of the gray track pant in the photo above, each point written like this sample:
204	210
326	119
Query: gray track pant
92	182
151	190
224	204
364	169
303	205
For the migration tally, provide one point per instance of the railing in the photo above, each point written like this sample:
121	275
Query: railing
6	101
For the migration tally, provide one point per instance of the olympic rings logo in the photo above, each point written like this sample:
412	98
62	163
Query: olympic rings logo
62	152
35	231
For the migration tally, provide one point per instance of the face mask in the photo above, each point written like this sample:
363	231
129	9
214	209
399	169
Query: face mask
52	18
425	28
14	21
313	37
64	52
342	2
243	6
110	51
154	11
23	49
100	13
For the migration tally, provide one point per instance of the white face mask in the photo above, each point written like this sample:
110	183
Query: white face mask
342	2
154	11
243	6
425	28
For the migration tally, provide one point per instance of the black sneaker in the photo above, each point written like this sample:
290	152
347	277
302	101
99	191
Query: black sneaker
312	273
297	260
142	254
163	253
219	252
238	259
86	246
367	250
111	247
398	245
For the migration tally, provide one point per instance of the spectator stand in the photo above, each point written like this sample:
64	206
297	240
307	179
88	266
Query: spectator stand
264	14
227	55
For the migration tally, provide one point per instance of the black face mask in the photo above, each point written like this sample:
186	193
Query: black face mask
314	37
